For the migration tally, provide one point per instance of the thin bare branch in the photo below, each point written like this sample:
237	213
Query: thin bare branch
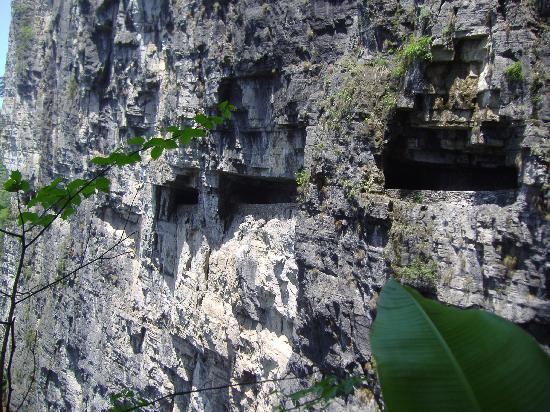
4	294
213	388
103	256
11	317
12	234
10	362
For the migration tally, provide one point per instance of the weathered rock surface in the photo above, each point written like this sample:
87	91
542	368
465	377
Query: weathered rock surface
235	274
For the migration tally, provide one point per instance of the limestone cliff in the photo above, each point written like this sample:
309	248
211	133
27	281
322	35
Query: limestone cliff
439	177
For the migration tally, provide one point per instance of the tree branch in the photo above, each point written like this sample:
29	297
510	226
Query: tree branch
213	388
12	234
101	257
10	361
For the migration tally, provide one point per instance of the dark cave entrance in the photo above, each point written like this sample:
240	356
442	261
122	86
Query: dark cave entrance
446	159
180	192
424	176
238	190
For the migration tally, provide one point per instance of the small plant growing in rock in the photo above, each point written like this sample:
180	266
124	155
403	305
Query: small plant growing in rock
425	13
417	49
23	44
419	269
511	264
303	177
321	393
363	92
514	72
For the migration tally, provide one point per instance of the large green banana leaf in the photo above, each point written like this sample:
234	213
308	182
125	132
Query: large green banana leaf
431	357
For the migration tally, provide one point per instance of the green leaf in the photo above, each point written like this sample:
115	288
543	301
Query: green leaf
27	217
131	159
67	212
223	105
189	134
136	140
102	184
154	142
76	200
170	144
119	159
25	186
16	176
89	191
75	185
49	195
156	152
11	186
300	394
431	357
225	109
204	121
101	161
45	220
173	129
217	120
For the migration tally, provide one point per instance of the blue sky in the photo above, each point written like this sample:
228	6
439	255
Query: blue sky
5	16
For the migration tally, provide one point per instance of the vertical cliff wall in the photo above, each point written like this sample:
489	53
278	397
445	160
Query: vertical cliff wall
238	273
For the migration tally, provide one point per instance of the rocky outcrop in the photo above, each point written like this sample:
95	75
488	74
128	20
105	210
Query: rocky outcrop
236	272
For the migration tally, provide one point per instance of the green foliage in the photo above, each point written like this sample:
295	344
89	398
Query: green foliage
425	13
15	183
514	72
124	400
322	392
26	34
431	357
421	270
4	195
303	177
417	49
353	188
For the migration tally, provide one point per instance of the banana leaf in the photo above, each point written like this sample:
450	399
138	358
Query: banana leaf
432	357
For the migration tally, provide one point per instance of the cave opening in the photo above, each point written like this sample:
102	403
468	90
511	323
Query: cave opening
450	159
424	176
181	191
253	190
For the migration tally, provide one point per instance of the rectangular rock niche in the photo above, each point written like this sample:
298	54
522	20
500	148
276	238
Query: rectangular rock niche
446	159
235	190
172	195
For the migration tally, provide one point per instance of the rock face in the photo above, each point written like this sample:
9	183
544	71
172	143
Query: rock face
236	273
